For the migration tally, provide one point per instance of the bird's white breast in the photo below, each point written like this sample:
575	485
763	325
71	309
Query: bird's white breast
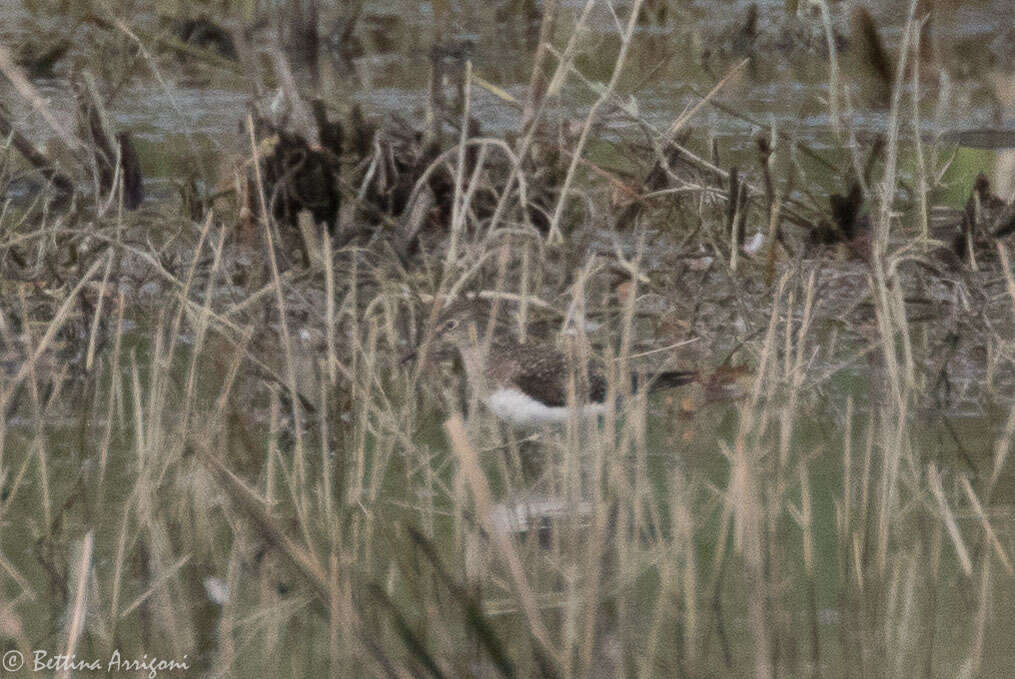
520	409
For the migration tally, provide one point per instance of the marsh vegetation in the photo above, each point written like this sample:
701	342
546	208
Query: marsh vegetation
226	225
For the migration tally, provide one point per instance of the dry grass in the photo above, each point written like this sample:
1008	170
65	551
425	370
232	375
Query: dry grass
247	475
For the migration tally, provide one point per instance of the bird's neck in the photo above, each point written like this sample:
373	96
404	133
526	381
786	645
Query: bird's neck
474	362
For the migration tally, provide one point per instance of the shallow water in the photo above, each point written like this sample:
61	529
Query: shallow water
664	65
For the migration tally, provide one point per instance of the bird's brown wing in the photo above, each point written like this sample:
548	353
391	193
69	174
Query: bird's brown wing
542	372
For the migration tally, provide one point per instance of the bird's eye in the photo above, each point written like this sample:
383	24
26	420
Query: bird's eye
451	325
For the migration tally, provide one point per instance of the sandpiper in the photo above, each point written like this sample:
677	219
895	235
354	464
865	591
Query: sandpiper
527	384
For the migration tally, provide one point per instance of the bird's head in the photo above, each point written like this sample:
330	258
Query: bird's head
458	325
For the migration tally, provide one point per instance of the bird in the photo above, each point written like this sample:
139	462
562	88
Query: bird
527	384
